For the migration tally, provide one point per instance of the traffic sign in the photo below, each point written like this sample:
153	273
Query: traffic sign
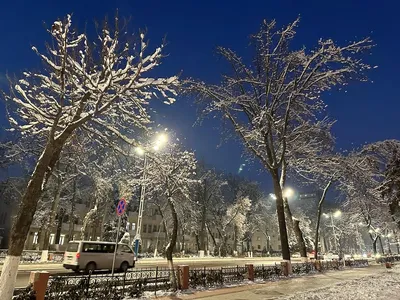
121	207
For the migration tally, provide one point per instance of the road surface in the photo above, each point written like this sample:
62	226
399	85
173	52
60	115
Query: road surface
24	270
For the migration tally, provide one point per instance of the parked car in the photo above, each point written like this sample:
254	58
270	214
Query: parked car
96	255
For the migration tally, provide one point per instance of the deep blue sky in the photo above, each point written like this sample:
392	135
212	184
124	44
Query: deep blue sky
367	112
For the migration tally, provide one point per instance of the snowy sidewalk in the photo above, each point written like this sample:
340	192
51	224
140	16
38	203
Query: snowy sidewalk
374	282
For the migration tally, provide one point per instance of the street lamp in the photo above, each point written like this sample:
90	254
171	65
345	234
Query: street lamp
161	140
288	192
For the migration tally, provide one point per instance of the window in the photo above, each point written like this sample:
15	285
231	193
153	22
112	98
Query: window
62	239
35	238
258	247
258	238
98	248
127	225
149	229
72	247
133	226
279	247
144	228
154	228
51	239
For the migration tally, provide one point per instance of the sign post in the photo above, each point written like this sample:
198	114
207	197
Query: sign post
120	211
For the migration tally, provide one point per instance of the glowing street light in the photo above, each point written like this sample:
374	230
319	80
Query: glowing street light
337	214
288	192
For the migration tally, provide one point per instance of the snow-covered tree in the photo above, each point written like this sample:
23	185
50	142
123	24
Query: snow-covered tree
99	87
271	101
207	193
171	172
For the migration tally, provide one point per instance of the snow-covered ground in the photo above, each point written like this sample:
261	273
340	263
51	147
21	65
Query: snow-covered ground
382	286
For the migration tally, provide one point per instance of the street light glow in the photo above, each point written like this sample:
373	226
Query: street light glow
337	214
161	139
139	150
326	215
272	196
288	192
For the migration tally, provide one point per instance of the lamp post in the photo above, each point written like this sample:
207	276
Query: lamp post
160	141
331	215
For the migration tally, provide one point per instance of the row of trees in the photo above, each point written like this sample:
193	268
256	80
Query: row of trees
85	111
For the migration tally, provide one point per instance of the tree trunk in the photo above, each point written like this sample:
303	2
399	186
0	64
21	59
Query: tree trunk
53	214
300	239
319	213
172	242
281	216
59	227
295	226
202	232
373	244
72	214
197	242
381	245
235	240
24	217
183	241
212	236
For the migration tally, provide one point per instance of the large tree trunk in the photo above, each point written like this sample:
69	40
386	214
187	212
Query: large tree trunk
212	236
319	213
374	240
300	239
24	217
172	242
295	226
281	216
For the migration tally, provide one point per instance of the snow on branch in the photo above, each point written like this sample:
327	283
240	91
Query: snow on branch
101	84
279	95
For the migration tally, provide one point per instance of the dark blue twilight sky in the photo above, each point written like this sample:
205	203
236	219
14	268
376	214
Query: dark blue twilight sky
367	112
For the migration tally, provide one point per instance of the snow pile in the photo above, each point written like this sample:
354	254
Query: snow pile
382	286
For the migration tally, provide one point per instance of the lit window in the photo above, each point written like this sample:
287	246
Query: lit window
35	238
51	239
62	239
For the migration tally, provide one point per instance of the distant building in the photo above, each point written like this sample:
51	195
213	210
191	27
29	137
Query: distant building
307	202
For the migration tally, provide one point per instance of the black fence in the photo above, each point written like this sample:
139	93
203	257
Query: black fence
105	286
136	283
389	258
267	272
209	277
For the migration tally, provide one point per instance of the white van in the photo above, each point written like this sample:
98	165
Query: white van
96	255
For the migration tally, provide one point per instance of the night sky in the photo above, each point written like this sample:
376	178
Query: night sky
366	112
